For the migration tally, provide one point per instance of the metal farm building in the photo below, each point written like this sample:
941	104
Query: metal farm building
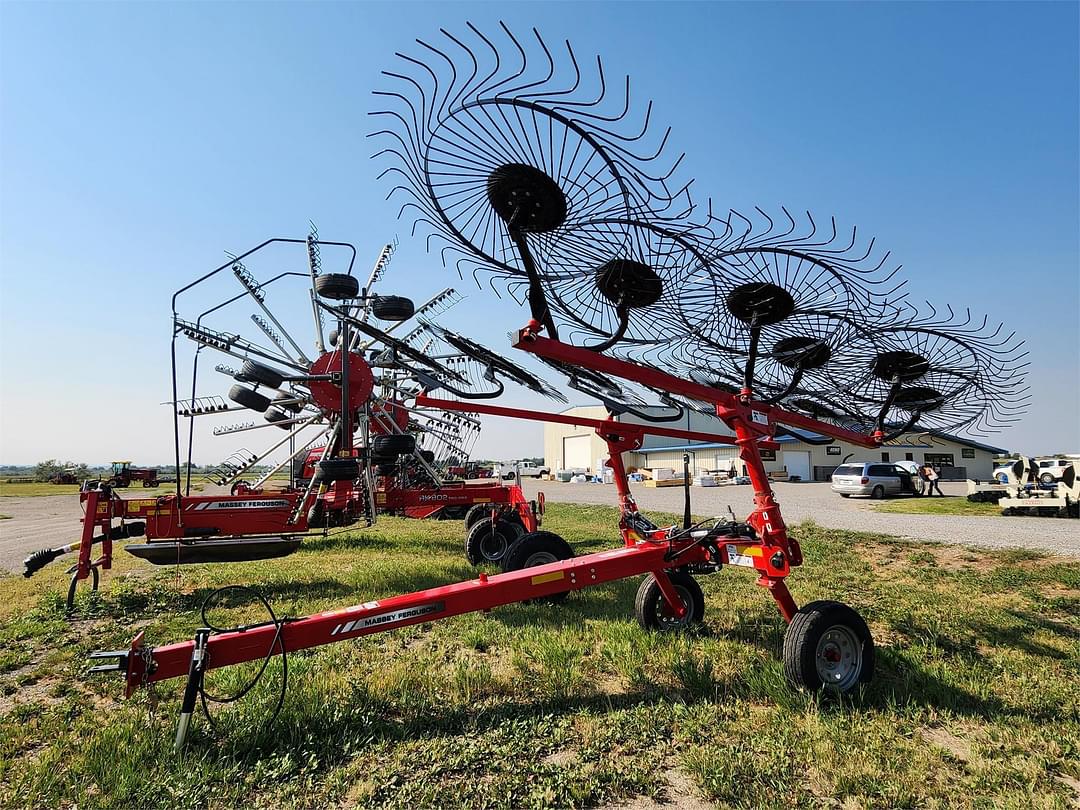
570	447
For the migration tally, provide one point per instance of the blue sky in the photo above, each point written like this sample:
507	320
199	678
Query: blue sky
139	141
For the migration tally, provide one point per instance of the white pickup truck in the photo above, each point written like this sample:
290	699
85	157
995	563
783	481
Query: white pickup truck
526	468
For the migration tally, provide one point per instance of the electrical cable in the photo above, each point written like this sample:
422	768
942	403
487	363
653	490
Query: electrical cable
277	642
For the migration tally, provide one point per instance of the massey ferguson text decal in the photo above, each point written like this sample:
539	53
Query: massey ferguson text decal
275	504
379	619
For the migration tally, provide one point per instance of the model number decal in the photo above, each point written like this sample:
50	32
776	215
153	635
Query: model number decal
759	417
388	618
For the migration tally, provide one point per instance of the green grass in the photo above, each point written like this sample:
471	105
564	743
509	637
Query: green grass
38	489
949	505
974	703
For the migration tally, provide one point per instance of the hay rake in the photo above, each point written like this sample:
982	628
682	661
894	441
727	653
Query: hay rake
534	175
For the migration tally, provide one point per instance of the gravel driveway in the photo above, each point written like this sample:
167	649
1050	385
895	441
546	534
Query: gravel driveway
817	502
53	520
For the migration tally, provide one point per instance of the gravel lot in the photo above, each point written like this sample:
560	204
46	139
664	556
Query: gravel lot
53	520
816	502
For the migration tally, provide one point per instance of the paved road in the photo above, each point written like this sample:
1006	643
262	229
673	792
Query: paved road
816	502
42	522
53	520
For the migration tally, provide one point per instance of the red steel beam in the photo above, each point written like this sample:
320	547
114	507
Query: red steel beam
484	593
726	404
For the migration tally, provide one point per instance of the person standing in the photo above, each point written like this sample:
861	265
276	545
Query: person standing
932	477
923	480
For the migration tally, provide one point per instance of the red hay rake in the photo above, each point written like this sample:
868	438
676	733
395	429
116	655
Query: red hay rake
523	167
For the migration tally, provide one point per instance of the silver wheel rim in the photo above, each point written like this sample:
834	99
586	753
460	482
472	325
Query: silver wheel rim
493	546
838	658
665	619
540	558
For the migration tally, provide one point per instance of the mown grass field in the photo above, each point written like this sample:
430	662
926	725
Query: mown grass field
975	703
40	488
949	505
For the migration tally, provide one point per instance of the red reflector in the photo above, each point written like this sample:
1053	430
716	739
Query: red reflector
864	480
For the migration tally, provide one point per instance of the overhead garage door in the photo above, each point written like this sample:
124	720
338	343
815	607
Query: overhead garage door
576	452
798	464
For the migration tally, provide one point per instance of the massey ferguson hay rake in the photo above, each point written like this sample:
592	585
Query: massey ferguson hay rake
530	170
356	444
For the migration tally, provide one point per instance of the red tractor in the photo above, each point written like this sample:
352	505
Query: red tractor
123	474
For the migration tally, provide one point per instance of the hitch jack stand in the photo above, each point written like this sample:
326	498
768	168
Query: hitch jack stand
196	669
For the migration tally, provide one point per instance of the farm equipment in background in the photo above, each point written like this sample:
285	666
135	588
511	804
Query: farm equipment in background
123	474
995	489
353	399
778	331
1026	494
66	476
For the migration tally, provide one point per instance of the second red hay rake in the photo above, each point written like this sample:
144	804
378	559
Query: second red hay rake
534	176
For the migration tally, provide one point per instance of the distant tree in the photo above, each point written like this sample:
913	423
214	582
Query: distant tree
45	470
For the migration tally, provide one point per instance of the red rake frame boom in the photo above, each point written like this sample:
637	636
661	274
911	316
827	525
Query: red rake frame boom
762	542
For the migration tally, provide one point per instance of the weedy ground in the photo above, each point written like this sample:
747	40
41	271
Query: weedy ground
949	505
975	702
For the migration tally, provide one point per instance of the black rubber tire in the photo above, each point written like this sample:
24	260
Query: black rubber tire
651	609
236	486
475	513
525	550
805	633
1046	478
483	544
337	469
396	444
249	398
386	469
392	308
332	338
427	456
292	407
263	375
878	493
316	516
273	416
337	286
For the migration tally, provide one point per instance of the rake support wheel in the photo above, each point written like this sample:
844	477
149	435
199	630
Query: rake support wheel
538	548
337	286
249	398
654	613
828	646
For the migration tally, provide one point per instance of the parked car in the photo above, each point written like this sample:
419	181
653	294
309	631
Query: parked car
876	479
1051	469
526	468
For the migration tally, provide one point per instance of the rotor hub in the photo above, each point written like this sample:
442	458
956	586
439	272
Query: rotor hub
327	393
629	283
801	352
900	365
760	303
526	198
919	398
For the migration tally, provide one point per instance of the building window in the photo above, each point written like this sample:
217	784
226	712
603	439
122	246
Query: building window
909	456
939	459
967	452
767	455
832	450
884	456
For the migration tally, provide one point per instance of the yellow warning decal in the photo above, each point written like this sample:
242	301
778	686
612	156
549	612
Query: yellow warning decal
380	497
753	551
554	576
142	504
